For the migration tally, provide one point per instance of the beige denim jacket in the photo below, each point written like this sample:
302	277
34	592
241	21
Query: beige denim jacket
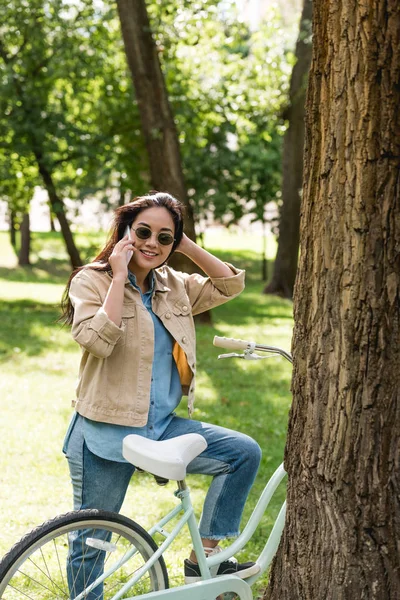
115	370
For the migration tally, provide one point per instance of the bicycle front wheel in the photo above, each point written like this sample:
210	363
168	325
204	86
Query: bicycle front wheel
64	556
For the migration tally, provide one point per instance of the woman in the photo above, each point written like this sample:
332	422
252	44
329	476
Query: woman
133	318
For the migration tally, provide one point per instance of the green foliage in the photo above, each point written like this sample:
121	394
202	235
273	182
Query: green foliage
228	87
66	99
18	178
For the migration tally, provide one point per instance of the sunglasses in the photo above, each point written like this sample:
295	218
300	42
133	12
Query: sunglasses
164	238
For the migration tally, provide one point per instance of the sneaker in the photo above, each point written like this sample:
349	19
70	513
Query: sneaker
227	567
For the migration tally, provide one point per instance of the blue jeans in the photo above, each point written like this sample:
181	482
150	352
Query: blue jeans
231	458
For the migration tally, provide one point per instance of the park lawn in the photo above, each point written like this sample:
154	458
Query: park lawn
39	363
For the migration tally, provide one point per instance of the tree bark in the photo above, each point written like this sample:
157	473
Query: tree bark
51	219
25	237
342	531
285	265
158	126
57	206
13	237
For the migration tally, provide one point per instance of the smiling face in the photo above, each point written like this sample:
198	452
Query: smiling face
150	254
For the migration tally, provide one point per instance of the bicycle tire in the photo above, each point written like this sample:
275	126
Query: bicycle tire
36	566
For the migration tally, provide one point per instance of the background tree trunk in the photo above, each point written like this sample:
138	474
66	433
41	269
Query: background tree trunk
343	452
285	265
157	121
13	237
51	219
25	237
58	209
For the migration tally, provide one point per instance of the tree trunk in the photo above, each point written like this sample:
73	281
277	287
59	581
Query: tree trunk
157	120
57	206
13	237
342	531
52	224
122	193
285	265
25	248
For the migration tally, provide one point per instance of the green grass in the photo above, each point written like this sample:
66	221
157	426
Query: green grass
39	363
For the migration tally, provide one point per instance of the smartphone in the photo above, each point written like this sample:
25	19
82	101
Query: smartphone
130	252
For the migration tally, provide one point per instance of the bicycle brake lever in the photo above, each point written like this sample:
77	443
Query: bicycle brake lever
251	356
230	355
247	355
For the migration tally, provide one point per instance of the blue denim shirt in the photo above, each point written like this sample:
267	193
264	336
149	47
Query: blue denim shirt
105	439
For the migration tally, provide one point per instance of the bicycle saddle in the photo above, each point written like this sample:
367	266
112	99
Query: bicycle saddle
167	459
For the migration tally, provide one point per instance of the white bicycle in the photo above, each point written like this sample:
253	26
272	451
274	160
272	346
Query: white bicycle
124	559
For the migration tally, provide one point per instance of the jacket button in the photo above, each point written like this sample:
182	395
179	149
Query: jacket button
184	339
168	315
184	308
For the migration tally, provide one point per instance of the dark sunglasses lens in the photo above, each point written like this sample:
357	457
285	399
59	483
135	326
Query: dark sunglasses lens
143	233
165	239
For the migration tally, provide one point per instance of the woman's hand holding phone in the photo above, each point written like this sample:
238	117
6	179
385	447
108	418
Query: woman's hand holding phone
121	255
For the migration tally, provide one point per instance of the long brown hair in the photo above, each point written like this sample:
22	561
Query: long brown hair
123	217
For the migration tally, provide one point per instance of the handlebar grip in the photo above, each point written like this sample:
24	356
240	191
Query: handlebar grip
230	343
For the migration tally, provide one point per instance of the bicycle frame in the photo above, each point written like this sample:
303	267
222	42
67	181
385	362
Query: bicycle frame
206	563
186	508
209	588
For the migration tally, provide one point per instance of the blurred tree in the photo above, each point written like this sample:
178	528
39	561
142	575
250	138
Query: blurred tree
285	266
65	98
158	125
24	95
342	529
17	184
85	120
227	107
24	251
12	228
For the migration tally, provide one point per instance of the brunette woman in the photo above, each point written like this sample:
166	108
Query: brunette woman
132	315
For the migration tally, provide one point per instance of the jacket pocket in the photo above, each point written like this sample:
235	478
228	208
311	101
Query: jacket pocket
182	307
129	311
183	326
130	321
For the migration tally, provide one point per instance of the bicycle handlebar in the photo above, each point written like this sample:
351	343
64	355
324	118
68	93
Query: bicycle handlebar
231	343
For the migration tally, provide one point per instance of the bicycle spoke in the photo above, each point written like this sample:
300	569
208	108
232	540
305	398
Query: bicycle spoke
35	581
124	580
98	553
59	563
75	578
50	578
109	554
21	592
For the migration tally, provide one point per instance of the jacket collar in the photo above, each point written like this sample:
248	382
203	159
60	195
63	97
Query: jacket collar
159	276
159	279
